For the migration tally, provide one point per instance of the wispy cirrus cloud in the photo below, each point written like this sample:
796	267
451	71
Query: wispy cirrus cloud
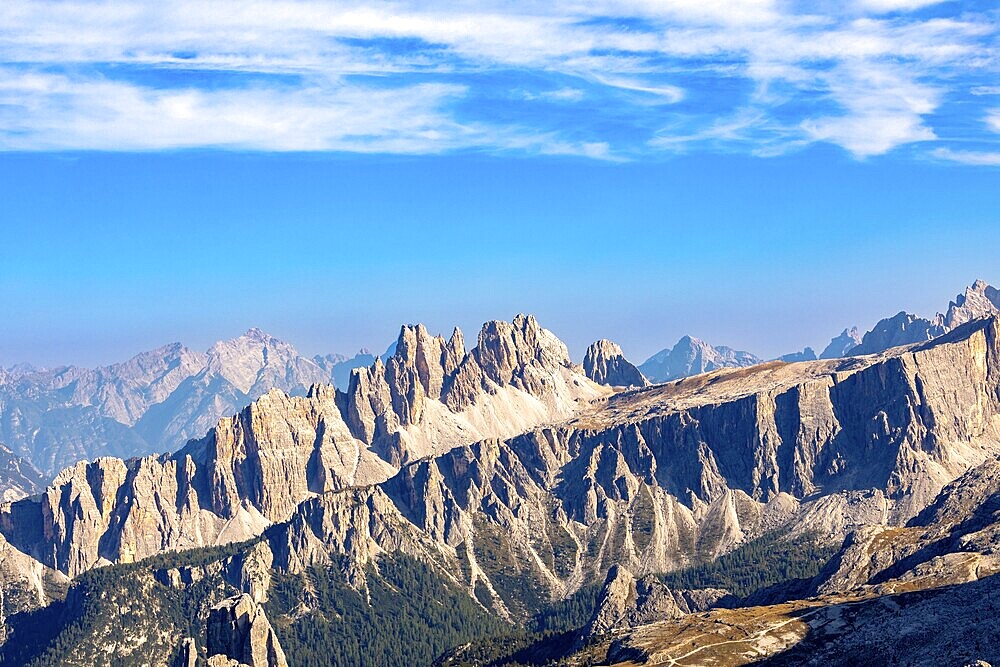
612	79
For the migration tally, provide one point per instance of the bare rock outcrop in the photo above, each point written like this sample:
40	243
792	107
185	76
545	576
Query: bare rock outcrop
605	363
979	300
625	602
18	477
239	633
256	467
900	329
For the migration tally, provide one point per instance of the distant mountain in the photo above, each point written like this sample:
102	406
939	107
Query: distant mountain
840	345
900	329
18	478
978	301
808	354
691	356
155	401
339	366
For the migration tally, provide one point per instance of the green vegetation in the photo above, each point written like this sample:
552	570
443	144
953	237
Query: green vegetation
767	561
412	615
643	518
515	585
406	614
122	608
546	639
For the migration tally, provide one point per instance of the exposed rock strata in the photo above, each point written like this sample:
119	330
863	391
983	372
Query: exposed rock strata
239	633
605	363
678	472
256	467
18	477
625	602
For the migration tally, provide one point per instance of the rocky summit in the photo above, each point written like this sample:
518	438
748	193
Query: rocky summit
605	363
692	356
503	505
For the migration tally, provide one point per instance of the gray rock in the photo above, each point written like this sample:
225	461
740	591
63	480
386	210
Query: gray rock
691	356
605	363
901	329
238	630
841	346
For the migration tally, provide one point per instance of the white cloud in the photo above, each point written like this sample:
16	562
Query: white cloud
993	120
975	158
56	112
853	77
882	6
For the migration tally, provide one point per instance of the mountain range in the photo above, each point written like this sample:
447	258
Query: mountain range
503	505
153	402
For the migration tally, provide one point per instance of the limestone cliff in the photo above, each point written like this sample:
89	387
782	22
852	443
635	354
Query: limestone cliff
256	467
659	477
239	634
625	602
605	363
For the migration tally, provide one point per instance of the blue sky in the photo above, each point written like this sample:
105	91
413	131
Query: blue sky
758	173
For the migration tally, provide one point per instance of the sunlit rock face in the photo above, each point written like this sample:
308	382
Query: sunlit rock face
605	363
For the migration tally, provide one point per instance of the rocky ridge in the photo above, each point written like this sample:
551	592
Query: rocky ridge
649	479
155	401
625	602
18	478
980	300
239	634
840	346
662	476
255	468
605	363
923	593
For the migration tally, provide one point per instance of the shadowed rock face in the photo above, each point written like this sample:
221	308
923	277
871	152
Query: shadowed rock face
669	474
901	329
979	300
239	633
924	593
840	346
625	602
605	363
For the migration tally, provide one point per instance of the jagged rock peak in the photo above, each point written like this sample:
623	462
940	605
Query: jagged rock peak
238	630
626	601
979	300
900	329
605	363
503	348
692	356
258	335
840	345
614	601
